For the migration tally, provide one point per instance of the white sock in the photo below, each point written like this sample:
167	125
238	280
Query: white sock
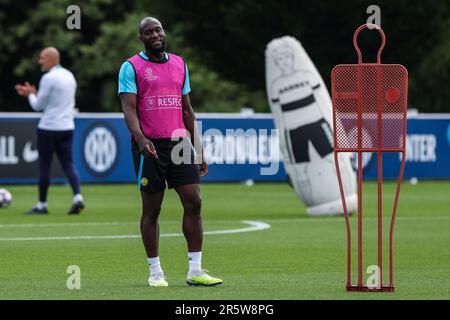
195	262
77	198
41	205
155	265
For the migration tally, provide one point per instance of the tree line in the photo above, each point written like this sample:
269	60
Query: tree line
223	42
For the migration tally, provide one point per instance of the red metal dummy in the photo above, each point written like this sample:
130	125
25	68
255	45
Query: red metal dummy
369	115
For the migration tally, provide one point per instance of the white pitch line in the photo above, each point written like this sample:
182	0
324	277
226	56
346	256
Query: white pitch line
85	224
253	226
301	219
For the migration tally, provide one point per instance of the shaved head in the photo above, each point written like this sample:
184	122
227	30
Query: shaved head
49	58
146	21
51	53
152	35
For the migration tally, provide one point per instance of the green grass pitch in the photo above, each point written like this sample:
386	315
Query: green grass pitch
298	257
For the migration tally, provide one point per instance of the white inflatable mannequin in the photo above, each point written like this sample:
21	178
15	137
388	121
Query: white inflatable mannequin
301	106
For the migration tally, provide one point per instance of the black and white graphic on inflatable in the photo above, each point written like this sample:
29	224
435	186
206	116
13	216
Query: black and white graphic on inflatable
304	124
301	108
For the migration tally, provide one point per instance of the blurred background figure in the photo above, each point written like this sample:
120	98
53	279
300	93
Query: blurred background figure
56	99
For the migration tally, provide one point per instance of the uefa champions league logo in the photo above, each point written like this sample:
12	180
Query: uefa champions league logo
149	74
100	150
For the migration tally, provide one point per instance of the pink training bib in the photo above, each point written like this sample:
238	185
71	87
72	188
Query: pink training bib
159	96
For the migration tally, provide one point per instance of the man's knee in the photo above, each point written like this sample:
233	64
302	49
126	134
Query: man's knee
152	213
193	204
151	205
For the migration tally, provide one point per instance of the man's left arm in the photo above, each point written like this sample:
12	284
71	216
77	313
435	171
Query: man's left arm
39	100
190	122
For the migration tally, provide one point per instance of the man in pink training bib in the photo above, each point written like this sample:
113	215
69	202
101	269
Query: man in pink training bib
154	94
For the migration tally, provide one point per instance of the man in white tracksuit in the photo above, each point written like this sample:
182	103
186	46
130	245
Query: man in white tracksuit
56	100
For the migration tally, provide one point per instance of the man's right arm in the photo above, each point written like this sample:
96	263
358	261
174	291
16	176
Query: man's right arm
128	101
129	109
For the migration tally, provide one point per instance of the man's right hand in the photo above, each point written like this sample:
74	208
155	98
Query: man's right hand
25	90
147	148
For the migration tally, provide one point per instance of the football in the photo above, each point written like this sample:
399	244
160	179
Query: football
5	198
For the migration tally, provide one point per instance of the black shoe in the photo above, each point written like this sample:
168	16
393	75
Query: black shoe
76	208
36	210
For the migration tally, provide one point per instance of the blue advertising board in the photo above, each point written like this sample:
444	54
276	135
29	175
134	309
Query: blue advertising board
238	147
427	151
235	148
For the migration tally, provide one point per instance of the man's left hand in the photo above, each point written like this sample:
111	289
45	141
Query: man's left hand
25	90
203	169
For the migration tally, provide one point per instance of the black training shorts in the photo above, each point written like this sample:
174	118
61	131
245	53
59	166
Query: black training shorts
153	173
